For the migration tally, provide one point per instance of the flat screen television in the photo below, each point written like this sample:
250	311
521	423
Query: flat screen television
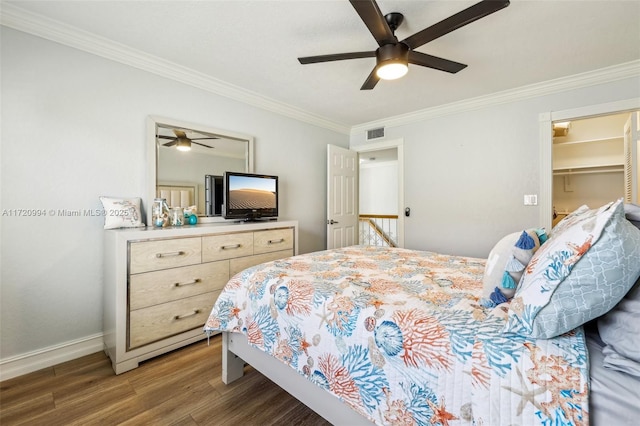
249	196
213	195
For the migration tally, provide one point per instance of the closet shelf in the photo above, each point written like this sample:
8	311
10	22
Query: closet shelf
601	168
613	138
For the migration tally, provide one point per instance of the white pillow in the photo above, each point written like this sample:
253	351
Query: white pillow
507	258
121	212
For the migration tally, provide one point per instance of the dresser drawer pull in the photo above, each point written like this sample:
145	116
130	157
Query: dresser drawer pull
281	240
190	314
231	246
192	282
171	254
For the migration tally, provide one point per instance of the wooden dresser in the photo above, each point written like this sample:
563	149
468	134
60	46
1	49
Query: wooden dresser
160	284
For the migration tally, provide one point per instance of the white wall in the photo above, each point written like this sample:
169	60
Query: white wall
378	188
594	190
466	173
73	128
192	169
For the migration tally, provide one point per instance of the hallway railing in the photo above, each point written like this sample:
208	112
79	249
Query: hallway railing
378	230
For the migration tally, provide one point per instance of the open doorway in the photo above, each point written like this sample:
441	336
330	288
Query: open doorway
547	121
589	162
381	190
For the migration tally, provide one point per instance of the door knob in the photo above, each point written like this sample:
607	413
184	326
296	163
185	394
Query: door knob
331	222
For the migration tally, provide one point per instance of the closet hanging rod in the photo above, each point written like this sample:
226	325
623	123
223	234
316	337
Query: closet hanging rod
584	172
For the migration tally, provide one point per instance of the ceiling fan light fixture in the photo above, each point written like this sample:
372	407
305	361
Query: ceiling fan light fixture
393	60
183	144
392	70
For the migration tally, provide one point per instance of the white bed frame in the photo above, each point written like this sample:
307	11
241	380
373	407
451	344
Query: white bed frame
236	351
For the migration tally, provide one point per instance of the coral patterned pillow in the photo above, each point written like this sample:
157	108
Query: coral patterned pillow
552	263
570	219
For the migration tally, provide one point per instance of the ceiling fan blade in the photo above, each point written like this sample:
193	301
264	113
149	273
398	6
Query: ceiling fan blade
170	143
336	57
203	139
460	19
422	59
371	81
201	144
374	20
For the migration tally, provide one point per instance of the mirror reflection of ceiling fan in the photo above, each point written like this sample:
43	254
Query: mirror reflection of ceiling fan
182	142
392	56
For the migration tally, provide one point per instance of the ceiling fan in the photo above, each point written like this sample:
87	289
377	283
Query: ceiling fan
182	142
393	56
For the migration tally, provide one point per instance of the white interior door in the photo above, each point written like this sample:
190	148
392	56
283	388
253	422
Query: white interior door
342	197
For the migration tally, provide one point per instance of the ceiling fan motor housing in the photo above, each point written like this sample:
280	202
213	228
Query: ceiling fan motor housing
394	19
398	52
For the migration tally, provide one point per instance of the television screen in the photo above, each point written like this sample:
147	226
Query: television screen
250	196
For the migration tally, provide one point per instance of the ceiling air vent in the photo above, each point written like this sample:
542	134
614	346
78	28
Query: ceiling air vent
375	133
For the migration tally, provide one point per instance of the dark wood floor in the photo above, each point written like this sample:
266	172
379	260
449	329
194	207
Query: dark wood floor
179	388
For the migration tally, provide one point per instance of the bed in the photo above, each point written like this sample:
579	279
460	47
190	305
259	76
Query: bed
379	335
178	195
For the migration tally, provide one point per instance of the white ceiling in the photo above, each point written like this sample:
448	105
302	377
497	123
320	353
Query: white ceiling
254	45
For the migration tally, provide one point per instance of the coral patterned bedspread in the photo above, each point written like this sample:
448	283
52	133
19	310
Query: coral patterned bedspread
400	337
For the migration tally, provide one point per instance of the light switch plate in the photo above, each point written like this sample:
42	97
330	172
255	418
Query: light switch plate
531	200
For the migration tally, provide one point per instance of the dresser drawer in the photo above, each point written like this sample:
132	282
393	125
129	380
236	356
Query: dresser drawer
240	264
227	246
161	321
155	255
153	288
272	240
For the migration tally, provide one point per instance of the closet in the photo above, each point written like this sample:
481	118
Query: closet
594	163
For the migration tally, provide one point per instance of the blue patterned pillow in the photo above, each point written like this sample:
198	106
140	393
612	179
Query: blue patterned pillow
579	274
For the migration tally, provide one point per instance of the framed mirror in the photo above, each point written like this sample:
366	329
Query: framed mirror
185	160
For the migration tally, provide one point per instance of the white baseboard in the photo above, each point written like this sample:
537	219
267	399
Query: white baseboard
47	357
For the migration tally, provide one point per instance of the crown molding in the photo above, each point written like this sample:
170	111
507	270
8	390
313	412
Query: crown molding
19	19
591	78
22	20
